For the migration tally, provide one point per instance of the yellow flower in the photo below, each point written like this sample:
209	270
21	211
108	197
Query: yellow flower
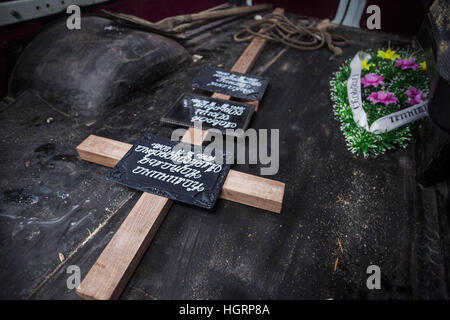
388	54
423	65
366	65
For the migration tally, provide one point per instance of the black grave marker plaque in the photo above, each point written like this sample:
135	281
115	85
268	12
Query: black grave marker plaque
148	166
234	84
212	113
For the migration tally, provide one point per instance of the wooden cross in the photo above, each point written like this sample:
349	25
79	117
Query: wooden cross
110	273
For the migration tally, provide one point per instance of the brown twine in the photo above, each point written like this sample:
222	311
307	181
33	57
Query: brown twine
276	27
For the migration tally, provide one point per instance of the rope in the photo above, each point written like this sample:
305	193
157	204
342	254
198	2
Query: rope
276	27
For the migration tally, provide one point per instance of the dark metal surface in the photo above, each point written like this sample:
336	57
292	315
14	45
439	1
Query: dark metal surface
52	202
435	145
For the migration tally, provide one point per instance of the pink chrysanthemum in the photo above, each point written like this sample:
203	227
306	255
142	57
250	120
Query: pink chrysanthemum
414	96
385	97
407	64
372	80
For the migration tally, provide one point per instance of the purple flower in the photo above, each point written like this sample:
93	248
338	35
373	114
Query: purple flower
385	97
407	64
414	96
372	80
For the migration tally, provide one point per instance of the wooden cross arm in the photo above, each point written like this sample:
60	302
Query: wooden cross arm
239	187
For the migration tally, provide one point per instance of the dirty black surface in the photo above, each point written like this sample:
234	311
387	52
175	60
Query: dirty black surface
199	186
52	202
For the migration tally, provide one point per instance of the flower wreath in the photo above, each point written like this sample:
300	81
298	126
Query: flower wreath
389	86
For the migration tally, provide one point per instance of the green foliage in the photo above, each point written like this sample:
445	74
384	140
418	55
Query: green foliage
397	81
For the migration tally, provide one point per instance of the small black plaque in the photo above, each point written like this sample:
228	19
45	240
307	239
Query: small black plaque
212	113
148	166
234	84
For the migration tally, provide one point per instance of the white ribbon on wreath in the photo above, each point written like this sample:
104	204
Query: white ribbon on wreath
386	123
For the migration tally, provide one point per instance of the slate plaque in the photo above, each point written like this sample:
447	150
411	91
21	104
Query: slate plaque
234	84
212	113
149	166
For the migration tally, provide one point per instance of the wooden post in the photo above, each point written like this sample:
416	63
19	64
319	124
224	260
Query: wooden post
112	270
